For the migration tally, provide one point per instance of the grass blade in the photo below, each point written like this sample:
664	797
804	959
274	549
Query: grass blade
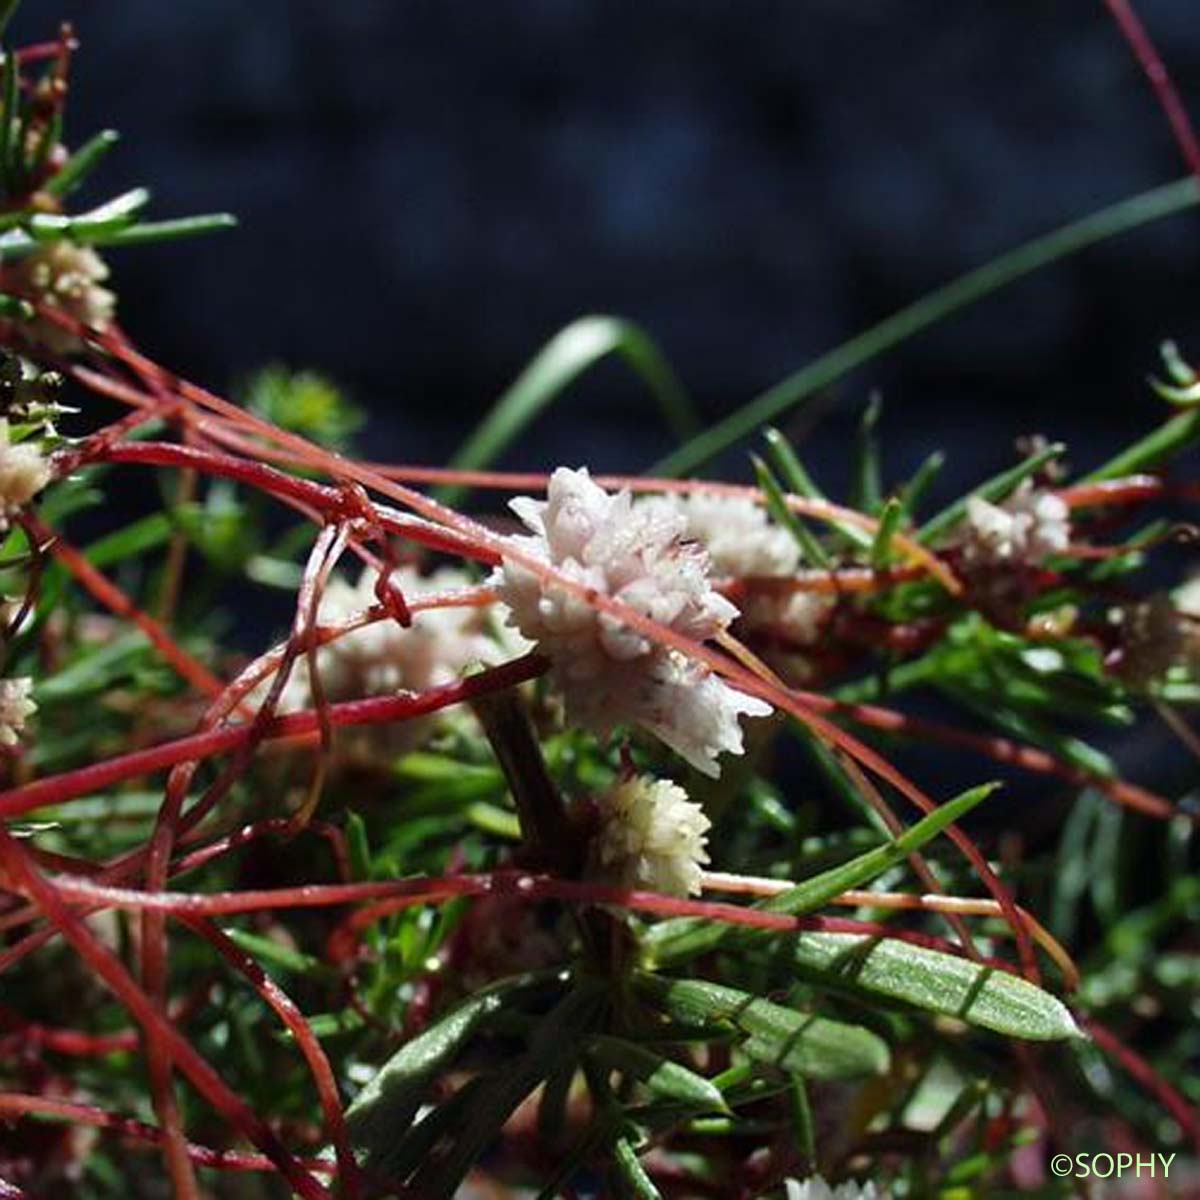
571	352
936	306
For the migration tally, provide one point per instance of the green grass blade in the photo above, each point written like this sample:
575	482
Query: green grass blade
936	306
994	489
82	163
168	231
810	548
675	941
914	490
867	491
889	523
1168	440
563	359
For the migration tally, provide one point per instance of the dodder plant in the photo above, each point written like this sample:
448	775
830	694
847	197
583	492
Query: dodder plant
489	870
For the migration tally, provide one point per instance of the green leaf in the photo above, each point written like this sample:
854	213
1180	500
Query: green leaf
779	1037
563	359
1161	444
937	982
866	491
168	231
966	290
804	538
500	1092
889	523
81	164
666	1079
94	225
797	480
387	1105
914	490
631	1173
674	941
995	489
277	954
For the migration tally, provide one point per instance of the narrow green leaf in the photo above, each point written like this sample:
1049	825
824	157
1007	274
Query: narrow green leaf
666	1079
571	352
780	1037
387	1105
805	539
797	480
1161	444
168	231
358	846
867	491
995	489
674	941
276	954
929	310
499	1094
937	982
96	224
631	1173
889	523
81	164
914	490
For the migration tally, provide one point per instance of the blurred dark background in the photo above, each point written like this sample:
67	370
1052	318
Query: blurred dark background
430	190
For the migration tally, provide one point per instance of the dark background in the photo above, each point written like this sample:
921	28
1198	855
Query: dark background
430	190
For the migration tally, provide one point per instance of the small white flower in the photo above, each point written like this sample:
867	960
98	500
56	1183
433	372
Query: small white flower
738	534
16	706
1029	526
23	473
651	836
66	276
610	674
816	1188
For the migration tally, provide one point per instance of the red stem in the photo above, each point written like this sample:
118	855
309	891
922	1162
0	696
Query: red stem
108	968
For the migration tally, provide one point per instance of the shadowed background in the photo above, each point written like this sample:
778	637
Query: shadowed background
428	191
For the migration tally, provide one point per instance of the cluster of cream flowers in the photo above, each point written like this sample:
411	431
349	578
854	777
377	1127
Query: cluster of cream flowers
738	534
744	543
384	658
66	276
651	836
16	707
817	1189
23	473
1028	527
610	674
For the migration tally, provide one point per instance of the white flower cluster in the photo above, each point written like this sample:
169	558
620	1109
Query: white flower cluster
738	534
608	673
817	1189
651	836
66	276
384	658
1029	526
16	707
23	473
744	543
